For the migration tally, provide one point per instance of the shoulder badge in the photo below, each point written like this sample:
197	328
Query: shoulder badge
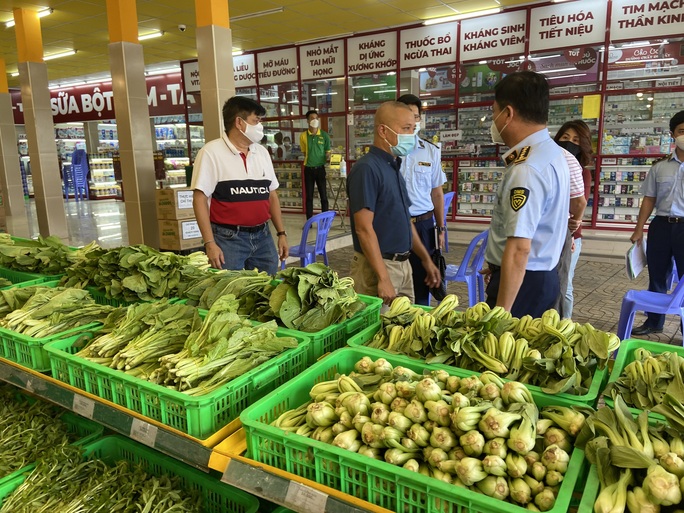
429	142
510	158
522	156
519	197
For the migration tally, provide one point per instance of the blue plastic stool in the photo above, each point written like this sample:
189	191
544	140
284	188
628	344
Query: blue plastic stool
448	200
650	302
468	271
307	253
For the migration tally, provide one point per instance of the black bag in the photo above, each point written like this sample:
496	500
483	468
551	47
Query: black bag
440	291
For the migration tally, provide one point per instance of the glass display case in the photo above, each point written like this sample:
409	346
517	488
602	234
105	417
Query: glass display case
476	139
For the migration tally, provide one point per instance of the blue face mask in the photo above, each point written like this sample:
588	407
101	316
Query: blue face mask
405	143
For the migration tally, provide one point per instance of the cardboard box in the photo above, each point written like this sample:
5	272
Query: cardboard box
174	204
179	234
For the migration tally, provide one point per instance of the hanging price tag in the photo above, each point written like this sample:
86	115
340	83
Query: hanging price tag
5	372
83	406
305	498
143	432
29	385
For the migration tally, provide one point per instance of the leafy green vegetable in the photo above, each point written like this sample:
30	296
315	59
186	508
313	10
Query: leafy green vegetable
47	255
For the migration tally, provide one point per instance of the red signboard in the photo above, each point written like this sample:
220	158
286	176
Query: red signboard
95	102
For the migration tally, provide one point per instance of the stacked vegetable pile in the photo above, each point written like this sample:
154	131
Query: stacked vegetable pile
639	466
307	299
63	482
47	255
134	273
558	355
28	430
167	344
474	432
645	381
4	282
43	311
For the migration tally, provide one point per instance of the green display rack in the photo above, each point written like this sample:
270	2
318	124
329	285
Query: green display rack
22	277
377	482
217	497
588	399
199	416
591	491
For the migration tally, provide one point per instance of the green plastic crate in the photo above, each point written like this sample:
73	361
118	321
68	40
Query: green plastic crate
626	356
101	297
217	497
282	509
22	277
86	430
591	491
378	482
29	351
334	337
588	399
200	416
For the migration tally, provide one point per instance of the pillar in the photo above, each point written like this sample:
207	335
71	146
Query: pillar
215	56
10	172
132	122
92	136
40	129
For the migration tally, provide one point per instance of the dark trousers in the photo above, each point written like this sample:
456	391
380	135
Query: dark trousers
538	292
426	232
665	240
317	175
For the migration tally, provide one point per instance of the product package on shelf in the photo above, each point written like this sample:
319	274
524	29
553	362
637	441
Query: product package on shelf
478	183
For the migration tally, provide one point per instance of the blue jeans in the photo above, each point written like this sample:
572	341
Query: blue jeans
569	299
245	250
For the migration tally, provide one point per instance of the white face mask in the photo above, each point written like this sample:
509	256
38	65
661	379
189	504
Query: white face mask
315	123
679	141
496	135
417	129
254	133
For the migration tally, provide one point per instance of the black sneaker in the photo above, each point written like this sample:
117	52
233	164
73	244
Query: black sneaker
645	329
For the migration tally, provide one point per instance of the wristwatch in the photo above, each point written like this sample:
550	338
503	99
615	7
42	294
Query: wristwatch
441	229
279	234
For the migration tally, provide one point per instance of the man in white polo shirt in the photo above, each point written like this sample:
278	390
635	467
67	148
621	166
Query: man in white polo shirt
235	194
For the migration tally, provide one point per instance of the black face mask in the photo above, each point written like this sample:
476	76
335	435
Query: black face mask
571	147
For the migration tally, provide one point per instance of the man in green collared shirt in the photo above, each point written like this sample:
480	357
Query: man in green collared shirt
315	144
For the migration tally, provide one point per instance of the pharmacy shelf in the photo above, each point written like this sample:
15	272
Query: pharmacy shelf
147	431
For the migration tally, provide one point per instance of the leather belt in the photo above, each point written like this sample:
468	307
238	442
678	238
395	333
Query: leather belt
674	220
422	217
494	268
396	257
248	229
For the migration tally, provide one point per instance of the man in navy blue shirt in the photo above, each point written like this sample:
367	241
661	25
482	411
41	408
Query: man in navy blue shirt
382	231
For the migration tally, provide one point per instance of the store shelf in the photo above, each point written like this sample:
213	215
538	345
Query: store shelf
147	431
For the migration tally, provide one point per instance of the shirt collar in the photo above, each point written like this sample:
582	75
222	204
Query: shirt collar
673	156
230	145
535	138
387	157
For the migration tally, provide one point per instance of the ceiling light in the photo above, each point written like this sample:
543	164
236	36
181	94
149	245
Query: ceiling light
59	55
650	98
323	38
558	1
391	73
151	35
237	52
543	57
482	62
463	16
16	74
163	71
257	14
41	14
321	94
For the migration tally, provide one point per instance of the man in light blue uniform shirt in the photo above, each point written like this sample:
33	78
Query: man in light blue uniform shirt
530	218
422	172
663	190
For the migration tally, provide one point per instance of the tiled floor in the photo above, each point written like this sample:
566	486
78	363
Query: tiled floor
599	285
